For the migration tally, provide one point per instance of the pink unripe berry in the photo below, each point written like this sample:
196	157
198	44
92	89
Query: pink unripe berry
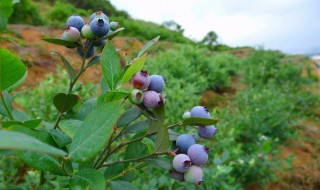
152	99
194	175
71	34
141	80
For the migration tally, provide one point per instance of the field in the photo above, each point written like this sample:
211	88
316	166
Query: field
267	104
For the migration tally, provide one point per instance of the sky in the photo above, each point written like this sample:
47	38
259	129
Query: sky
292	26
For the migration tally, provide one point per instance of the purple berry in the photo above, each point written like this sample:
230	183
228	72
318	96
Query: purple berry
152	99
198	154
98	14
76	21
184	141
136	96
156	83
206	132
194	175
176	175
141	80
99	42
99	27
200	111
181	163
86	31
71	34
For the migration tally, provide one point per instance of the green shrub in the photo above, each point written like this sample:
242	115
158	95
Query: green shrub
26	13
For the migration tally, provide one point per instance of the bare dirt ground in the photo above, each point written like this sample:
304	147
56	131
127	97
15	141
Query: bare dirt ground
35	53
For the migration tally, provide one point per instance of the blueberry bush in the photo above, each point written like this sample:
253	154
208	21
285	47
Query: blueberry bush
95	144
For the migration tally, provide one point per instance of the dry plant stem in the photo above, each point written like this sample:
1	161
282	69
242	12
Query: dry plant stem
5	106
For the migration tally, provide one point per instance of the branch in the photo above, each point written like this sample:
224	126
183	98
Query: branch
5	106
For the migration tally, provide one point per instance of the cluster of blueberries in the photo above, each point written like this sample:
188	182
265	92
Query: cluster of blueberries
94	32
191	158
147	89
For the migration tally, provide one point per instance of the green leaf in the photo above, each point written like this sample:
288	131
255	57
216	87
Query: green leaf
110	65
135	66
67	65
160	162
199	121
3	22
87	179
114	33
70	126
65	102
159	114
60	138
115	95
18	141
122	185
135	150
87	107
6	7
43	162
15	85
94	60
113	171
8	101
162	139
147	46
150	144
11	69
31	124
146	112
61	42
129	116
173	135
137	127
94	132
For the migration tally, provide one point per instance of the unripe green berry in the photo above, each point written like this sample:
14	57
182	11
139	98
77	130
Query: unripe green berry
86	31
136	96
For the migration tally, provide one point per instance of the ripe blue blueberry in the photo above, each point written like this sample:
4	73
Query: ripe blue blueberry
136	96
99	42
181	163
90	52
76	21
176	175
141	80
99	27
98	14
152	99
156	83
200	111
198	154
184	141
71	34
114	25
194	175
86	31
206	132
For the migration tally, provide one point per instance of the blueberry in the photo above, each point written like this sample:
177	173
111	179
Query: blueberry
198	154
98	14
114	25
200	111
136	96
186	115
76	21
90	52
99	42
206	132
141	80
184	141
194	175
99	27
176	175
156	83
181	163
71	34
152	99
86	31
